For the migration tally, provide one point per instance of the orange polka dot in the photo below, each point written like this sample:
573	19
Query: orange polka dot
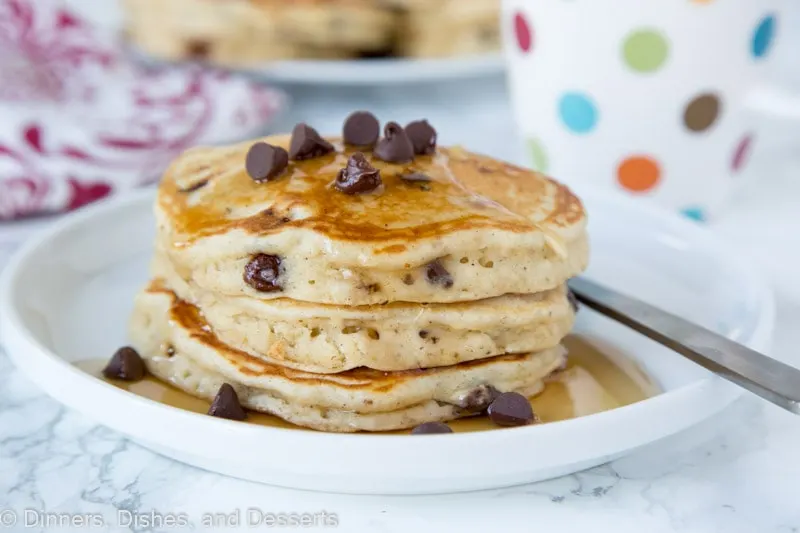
638	173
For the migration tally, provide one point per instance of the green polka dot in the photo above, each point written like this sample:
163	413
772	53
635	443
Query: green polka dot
538	155
645	50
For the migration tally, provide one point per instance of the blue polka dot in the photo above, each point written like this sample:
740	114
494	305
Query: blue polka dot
762	38
578	112
695	213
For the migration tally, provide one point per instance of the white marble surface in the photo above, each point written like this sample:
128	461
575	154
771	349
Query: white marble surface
735	473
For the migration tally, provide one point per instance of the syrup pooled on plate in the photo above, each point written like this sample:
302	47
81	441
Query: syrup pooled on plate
597	378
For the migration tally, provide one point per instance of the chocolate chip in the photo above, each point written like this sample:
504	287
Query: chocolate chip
198	49
488	35
437	275
262	273
306	143
573	301
423	334
265	162
274	218
415	176
361	129
125	364
511	409
195	186
358	176
423	137
395	147
226	404
479	398
430	428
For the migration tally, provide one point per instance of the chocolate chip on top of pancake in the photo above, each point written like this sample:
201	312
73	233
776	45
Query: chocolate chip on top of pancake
361	129
306	143
395	146
423	137
265	162
358	176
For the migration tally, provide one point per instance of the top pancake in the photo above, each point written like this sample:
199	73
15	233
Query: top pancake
496	228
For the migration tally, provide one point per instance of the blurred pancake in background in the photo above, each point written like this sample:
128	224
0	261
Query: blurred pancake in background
243	33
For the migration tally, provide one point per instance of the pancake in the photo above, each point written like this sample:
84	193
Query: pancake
494	227
179	347
450	28
243	33
360	25
396	336
222	32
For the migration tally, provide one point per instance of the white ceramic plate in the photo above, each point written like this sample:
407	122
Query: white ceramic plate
368	71
66	297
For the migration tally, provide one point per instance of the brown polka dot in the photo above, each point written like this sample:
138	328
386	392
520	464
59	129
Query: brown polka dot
701	113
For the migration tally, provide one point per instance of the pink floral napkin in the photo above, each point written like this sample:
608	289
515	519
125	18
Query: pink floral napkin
81	120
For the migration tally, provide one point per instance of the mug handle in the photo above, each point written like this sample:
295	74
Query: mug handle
774	101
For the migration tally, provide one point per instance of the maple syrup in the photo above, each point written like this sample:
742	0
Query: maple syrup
597	378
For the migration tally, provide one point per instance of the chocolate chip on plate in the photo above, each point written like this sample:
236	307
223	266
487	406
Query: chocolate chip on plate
415	176
511	409
395	147
361	129
262	272
358	176
423	137
479	398
125	364
226	404
306	143
430	428
265	162
438	275
573	301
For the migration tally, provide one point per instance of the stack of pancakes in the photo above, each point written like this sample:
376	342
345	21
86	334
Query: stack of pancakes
417	297
246	32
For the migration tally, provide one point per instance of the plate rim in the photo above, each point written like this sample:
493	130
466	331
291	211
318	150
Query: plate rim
378	71
10	320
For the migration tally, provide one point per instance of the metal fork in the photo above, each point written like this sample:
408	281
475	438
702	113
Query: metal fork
774	381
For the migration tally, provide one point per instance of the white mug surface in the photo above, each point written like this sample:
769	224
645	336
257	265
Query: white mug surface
644	97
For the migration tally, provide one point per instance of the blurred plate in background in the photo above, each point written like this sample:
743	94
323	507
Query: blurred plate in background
366	71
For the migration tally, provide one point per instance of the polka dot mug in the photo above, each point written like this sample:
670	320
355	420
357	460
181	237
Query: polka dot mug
646	97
